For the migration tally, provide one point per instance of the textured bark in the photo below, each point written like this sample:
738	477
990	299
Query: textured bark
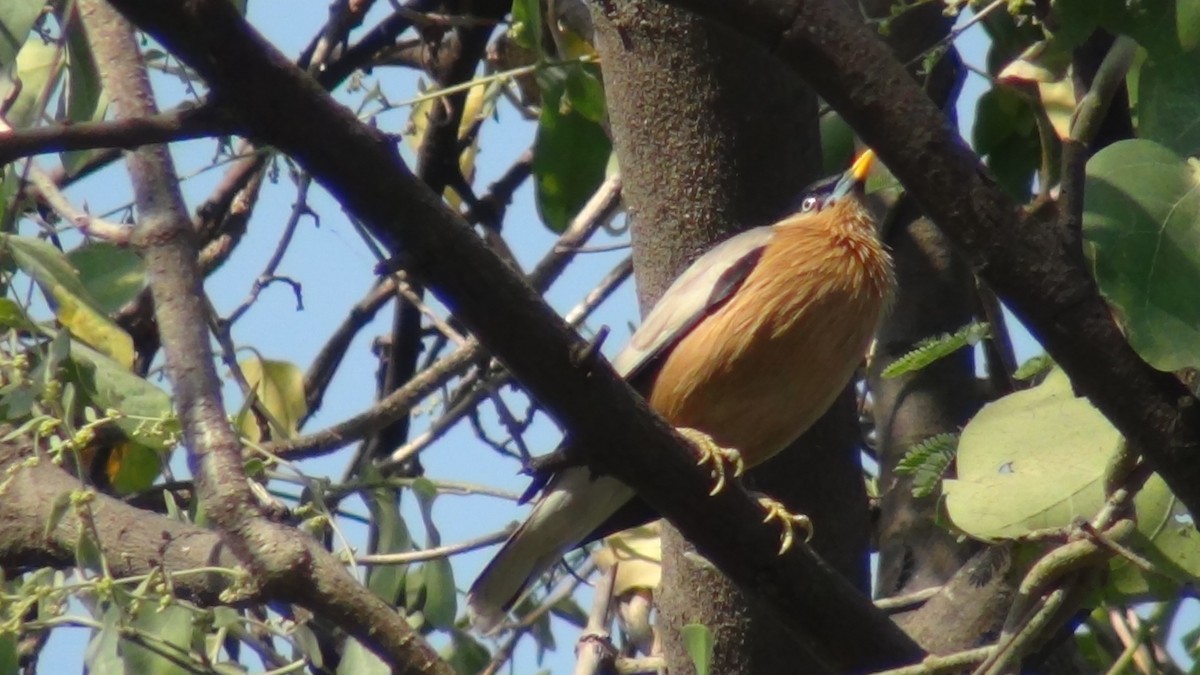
936	296
747	129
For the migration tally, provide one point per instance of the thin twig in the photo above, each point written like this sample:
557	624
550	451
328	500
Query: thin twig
594	648
436	552
464	405
88	224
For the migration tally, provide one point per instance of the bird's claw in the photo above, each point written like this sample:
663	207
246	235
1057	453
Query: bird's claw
788	521
717	456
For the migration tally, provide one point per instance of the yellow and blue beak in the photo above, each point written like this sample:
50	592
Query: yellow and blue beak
856	176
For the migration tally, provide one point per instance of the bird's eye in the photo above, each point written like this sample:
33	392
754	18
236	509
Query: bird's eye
808	204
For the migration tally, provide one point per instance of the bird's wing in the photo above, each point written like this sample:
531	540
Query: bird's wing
704	286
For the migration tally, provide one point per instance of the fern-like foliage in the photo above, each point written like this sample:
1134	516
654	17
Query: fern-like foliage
938	347
927	462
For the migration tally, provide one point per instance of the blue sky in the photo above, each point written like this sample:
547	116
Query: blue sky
335	269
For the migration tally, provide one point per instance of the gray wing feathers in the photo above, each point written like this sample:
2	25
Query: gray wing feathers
707	283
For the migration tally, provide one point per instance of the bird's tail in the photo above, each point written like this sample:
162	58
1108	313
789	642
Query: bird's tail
573	505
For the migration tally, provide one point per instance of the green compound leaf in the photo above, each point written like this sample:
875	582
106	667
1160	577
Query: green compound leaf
927	462
932	349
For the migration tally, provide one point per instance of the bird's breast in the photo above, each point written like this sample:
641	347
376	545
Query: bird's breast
758	371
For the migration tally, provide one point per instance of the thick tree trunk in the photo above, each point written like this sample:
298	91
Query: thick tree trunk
714	136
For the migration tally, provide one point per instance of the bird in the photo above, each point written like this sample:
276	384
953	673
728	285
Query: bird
744	352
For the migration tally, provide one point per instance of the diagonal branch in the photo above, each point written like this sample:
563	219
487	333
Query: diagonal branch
281	105
1025	257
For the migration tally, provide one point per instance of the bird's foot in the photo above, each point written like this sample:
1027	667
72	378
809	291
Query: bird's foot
720	458
788	521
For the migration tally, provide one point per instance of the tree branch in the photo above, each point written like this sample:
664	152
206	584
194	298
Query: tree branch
281	105
286	566
1024	257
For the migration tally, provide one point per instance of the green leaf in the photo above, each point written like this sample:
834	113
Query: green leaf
927	462
279	386
58	510
585	93
1167	537
1168	98
149	417
935	348
132	467
12	316
698	641
102	655
36	67
837	143
84	100
358	660
465	655
10	659
111	274
1034	367
73	305
1031	460
389	534
526	28
1141	228
1005	133
441	597
171	624
570	150
17	18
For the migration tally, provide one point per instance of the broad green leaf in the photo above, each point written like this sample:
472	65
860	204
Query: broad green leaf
1168	87
526	28
1006	135
1141	227
1166	536
149	416
1031	460
698	641
132	467
73	305
10	659
36	67
358	660
111	274
102	656
837	144
1039	459
585	93
84	100
279	386
465	655
171	624
570	150
389	534
1168	100
414	588
16	20
441	597
12	316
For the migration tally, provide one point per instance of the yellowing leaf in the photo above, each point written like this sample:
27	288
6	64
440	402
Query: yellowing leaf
638	554
74	307
279	389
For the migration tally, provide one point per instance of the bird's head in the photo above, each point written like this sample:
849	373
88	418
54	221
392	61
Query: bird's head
830	192
837	200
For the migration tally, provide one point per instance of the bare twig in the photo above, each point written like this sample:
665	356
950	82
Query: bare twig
436	552
594	649
87	223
